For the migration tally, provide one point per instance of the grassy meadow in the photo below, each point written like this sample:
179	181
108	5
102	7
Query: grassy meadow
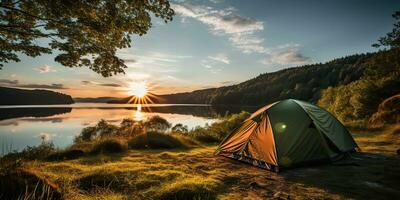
181	165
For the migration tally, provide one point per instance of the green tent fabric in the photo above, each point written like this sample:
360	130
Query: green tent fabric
287	133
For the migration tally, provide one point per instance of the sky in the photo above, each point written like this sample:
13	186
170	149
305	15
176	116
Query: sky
213	43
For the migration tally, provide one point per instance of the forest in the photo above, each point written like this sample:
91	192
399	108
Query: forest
13	96
351	87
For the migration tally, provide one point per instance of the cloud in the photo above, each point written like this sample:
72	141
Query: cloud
15	83
240	30
129	60
290	56
8	82
216	1
87	82
101	84
45	69
43	86
110	85
220	58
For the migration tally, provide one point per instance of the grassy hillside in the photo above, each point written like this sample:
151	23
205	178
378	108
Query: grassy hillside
195	173
13	96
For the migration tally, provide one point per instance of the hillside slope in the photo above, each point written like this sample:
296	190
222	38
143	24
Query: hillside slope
13	96
304	82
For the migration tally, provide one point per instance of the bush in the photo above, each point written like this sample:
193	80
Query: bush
154	140
217	131
87	134
108	145
157	123
103	128
130	127
32	153
204	135
180	128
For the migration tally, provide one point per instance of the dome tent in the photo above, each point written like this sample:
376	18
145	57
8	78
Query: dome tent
287	133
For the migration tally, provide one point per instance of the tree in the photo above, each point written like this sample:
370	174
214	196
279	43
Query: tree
391	39
86	33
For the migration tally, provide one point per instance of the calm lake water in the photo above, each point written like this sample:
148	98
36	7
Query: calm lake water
22	126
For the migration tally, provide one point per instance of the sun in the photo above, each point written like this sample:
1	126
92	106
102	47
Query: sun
139	89
141	93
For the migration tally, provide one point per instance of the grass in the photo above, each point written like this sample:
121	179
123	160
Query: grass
108	145
195	173
156	165
155	140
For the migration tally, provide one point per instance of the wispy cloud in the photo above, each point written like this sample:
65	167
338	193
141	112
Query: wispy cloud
220	58
240	30
86	82
8	82
45	69
43	86
291	56
111	85
16	83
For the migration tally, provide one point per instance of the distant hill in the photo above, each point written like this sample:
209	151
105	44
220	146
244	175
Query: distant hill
95	99
13	96
304	82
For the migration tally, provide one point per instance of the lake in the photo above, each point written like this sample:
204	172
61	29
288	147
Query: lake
22	126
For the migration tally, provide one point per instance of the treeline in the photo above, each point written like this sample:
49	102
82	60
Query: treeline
13	96
304	83
361	99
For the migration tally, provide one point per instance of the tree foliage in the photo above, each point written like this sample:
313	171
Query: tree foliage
83	33
360	99
392	39
157	123
304	83
14	96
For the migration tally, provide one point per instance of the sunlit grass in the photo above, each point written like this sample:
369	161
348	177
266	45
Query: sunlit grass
195	173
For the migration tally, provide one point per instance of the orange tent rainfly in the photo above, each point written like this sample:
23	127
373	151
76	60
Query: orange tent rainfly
288	133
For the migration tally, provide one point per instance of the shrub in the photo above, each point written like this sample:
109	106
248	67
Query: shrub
87	134
103	128
157	123
217	131
32	153
154	140
204	135
130	127
180	128
108	145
